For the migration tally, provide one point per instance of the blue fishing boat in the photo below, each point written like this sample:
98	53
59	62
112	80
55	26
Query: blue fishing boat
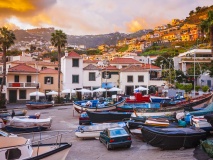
156	99
97	105
130	107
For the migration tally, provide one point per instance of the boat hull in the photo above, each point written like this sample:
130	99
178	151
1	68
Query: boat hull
14	129
100	117
38	106
58	153
80	108
173	138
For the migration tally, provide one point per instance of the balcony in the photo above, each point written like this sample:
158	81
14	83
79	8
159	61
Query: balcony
22	85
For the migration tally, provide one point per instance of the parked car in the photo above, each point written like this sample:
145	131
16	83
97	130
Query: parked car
84	119
115	137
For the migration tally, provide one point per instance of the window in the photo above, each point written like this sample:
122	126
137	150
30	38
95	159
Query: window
75	78
129	78
16	78
75	62
43	68
140	78
22	94
1	81
91	76
28	78
48	80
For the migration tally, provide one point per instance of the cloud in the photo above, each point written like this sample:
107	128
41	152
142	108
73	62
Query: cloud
94	16
27	11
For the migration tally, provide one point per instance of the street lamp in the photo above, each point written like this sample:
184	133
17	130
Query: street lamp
106	63
169	61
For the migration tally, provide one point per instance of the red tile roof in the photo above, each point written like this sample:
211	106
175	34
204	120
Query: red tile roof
110	68
91	67
148	66
124	61
22	68
133	68
74	55
35	62
49	70
90	61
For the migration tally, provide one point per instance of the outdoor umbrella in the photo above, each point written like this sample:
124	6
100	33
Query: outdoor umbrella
37	94
83	90
99	90
141	89
114	89
68	91
52	93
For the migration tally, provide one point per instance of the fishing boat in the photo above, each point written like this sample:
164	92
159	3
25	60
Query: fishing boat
24	124
93	131
209	118
156	99
4	114
96	105
173	138
38	105
138	98
131	107
179	107
201	123
101	117
205	111
157	121
18	147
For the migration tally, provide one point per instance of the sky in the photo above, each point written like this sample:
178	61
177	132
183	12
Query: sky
91	17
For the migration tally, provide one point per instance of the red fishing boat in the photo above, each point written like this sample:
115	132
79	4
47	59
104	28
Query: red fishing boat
138	98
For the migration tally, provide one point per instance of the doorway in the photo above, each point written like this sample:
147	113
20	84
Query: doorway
129	90
12	96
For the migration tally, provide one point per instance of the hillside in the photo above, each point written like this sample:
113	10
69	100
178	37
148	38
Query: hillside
90	41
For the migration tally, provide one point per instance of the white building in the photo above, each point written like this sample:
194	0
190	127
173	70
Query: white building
185	60
72	69
91	77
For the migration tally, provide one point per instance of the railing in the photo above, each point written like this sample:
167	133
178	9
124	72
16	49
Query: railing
49	137
22	85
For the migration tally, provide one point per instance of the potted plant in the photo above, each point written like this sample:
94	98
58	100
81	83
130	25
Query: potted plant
205	88
197	89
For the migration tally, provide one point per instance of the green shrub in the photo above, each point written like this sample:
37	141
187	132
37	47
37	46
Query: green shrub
205	88
186	87
58	100
197	88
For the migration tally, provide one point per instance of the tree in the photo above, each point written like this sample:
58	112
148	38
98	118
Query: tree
198	9
59	39
191	13
207	27
7	38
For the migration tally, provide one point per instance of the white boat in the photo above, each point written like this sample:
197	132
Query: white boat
24	124
21	148
149	114
200	122
93	131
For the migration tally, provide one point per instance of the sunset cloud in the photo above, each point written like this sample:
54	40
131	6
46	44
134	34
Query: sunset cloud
94	16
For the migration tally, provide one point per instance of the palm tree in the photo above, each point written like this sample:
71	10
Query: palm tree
59	39
7	38
207	27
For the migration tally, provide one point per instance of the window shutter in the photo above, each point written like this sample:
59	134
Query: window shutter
51	80
45	80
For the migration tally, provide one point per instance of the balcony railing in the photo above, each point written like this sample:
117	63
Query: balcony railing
22	85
